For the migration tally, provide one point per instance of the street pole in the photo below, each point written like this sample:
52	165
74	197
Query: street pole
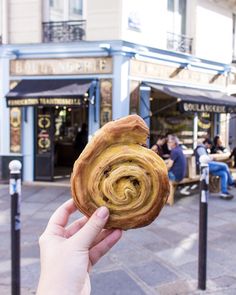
15	192
203	211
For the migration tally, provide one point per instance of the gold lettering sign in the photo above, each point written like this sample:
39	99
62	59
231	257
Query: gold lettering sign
66	66
43	101
160	71
22	102
191	107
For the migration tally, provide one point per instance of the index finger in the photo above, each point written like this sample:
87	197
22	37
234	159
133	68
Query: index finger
61	215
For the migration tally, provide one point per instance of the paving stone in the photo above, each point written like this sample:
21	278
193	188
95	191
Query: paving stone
216	222
105	264
226	215
154	273
185	227
156	246
30	208
225	281
141	236
124	244
170	236
191	269
132	257
114	283
228	229
177	288
184	215
30	250
6	290
176	256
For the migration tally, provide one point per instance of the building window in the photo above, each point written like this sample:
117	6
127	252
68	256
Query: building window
64	10
63	21
234	38
177	16
76	7
176	26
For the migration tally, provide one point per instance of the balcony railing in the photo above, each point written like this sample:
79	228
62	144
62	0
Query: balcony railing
180	43
65	31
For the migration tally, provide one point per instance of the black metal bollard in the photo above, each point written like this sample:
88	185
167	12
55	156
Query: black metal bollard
15	192
203	211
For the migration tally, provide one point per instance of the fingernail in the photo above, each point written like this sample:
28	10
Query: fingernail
102	212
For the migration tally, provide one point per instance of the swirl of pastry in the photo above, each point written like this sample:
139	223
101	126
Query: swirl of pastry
116	170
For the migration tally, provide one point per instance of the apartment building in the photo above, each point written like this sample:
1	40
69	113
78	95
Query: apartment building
65	64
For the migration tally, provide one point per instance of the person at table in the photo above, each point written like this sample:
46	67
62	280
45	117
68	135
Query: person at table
158	146
176	164
233	155
215	168
217	147
165	148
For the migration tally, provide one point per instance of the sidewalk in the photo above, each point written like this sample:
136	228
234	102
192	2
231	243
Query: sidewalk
158	259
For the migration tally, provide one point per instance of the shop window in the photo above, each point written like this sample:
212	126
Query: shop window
167	119
205	126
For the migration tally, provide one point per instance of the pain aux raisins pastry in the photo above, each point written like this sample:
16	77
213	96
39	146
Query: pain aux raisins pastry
116	170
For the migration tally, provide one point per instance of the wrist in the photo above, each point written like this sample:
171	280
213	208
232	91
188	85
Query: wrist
55	287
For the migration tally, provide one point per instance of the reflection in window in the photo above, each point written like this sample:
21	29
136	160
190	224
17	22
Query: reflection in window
168	119
76	7
177	16
64	10
234	37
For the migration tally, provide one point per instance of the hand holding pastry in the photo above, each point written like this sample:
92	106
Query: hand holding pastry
68	252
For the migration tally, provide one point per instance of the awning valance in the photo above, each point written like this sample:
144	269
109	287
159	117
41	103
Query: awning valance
198	100
51	92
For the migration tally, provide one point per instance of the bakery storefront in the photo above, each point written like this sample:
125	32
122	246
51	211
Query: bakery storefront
190	104
63	111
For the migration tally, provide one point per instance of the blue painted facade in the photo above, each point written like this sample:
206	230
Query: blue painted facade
122	53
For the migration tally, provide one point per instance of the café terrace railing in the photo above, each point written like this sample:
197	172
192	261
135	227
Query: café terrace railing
64	31
179	43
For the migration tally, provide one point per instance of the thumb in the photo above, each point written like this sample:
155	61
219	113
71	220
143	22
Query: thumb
89	232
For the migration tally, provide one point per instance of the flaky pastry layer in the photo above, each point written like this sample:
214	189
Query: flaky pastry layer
116	170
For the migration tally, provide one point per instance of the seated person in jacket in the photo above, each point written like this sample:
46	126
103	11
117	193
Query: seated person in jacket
217	147
215	168
176	164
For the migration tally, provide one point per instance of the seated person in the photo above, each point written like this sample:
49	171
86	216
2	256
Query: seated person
233	154
165	149
217	147
157	147
176	164
215	168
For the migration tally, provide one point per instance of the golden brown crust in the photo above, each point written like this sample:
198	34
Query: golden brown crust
116	170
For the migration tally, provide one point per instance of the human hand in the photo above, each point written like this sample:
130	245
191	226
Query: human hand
68	253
